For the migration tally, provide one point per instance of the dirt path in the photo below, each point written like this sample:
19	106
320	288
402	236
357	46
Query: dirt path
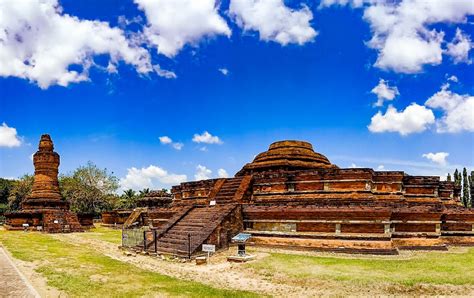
223	274
12	282
219	273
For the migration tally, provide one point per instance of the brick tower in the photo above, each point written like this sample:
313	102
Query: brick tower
45	209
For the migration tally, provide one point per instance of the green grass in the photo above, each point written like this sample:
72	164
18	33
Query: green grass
82	272
426	267
105	234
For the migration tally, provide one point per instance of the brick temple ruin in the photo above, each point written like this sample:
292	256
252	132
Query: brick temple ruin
44	209
293	197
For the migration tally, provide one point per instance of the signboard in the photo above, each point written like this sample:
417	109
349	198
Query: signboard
241	237
208	248
212	203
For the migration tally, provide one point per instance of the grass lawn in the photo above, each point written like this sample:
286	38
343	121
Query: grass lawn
81	271
425	267
106	234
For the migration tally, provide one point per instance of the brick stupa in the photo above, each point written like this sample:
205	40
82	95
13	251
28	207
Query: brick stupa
291	196
45	209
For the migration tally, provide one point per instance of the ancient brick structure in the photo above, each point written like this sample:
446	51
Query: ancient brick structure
45	209
155	198
115	218
291	196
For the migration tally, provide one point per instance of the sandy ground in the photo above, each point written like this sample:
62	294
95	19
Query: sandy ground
222	274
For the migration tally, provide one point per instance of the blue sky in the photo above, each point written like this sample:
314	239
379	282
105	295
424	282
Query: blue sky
245	72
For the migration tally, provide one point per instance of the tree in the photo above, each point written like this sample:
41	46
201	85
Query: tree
144	192
21	190
465	189
6	186
471	182
457	178
90	189
129	199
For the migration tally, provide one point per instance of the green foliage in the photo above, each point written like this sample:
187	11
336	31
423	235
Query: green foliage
471	184
144	192
6	186
90	189
128	200
20	190
465	189
457	178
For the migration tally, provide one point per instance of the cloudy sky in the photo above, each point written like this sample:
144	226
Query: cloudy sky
164	91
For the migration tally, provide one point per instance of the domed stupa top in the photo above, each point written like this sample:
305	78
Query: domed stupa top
45	143
288	155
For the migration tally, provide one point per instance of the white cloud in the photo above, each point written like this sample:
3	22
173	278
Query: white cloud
151	177
384	92
459	48
206	138
414	118
381	168
221	173
224	71
453	78
353	3
353	166
273	20
402	33
178	146
438	158
203	149
9	136
40	43
458	110
173	24
165	140
202	173
164	73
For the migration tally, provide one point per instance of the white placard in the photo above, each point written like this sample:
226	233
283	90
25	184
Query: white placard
56	221
208	248
212	203
25	225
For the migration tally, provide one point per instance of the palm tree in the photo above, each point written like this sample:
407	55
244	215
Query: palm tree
129	197
144	192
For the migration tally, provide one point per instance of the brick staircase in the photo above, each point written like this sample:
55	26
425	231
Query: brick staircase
199	222
134	217
226	193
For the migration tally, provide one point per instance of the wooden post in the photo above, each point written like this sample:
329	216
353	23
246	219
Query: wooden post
189	246
154	238
144	240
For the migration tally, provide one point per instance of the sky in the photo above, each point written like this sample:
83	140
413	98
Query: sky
165	91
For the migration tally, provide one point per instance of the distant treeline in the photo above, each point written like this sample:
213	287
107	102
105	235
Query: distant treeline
88	189
464	181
